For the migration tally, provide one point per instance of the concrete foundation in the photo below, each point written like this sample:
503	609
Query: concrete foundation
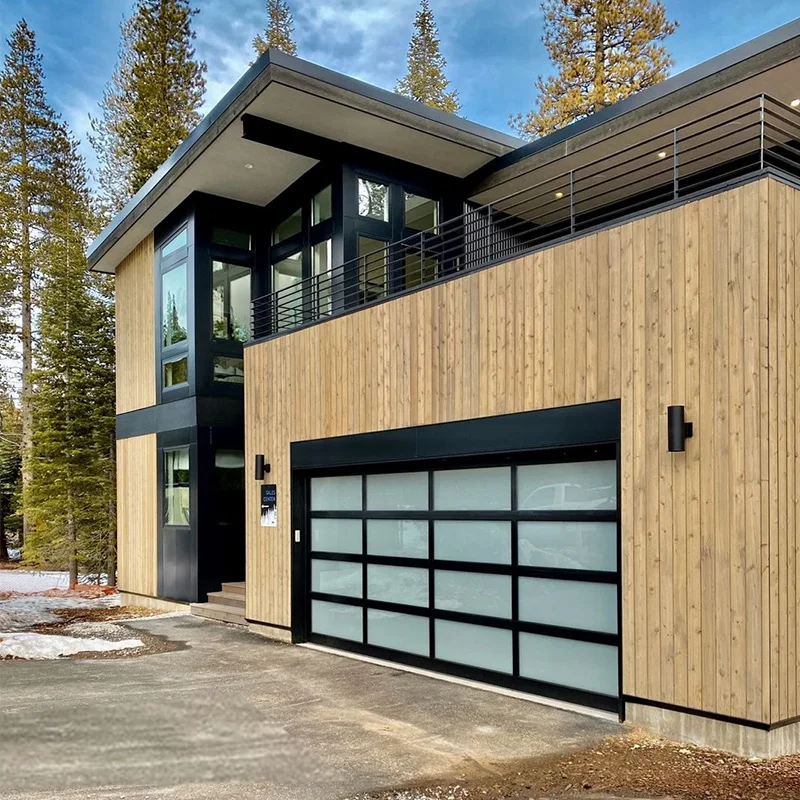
729	736
270	632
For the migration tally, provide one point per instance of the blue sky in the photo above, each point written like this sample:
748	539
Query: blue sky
493	47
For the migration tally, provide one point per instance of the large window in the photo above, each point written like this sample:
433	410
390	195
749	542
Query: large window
231	302
174	312
371	268
421	213
373	200
176	487
287	275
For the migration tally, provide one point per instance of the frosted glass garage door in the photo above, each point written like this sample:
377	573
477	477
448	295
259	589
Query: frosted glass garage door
502	573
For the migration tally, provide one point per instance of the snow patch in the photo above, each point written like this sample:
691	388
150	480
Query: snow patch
23	580
44	646
18	613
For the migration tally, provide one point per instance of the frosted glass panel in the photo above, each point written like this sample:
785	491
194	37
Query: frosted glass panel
584	485
398	631
336	535
406	538
568	545
473	593
334	619
336	577
340	493
488	648
487	489
404	491
571	604
472	540
408	585
582	665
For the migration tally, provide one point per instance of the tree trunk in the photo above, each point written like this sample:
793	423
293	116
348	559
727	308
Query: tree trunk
26	282
111	556
72	540
3	541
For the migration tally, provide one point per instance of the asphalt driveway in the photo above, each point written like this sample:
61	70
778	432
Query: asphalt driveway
237	716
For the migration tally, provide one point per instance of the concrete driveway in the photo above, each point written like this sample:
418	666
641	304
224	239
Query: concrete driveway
237	716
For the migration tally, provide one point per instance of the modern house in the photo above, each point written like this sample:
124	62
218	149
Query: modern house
401	383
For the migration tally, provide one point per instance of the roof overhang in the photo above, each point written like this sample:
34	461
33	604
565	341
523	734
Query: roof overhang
769	64
321	107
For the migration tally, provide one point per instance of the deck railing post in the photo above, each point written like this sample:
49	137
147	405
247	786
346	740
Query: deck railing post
761	137
572	201
675	163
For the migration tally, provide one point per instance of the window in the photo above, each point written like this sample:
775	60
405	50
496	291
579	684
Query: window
176	487
176	372
229	238
371	268
287	274
373	200
419	270
230	302
179	240
291	226
229	470
173	305
228	370
321	264
421	213
321	206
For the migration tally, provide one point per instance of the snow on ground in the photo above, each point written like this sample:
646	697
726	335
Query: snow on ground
24	611
46	646
22	580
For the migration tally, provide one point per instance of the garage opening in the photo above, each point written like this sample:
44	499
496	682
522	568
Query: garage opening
503	569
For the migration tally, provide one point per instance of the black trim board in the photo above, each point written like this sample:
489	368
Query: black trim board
747	723
553	428
190	412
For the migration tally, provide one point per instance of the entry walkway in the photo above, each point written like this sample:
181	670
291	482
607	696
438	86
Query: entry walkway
234	715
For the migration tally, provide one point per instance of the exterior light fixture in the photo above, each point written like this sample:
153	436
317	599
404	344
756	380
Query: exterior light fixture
559	195
248	166
795	103
261	467
662	154
678	430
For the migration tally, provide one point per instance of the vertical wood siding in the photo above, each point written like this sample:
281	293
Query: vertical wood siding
693	306
135	329
137	509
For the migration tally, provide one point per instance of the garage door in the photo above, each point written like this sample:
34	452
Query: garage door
505	573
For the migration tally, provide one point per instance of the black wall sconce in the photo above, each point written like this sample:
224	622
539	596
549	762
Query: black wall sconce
678	430
261	467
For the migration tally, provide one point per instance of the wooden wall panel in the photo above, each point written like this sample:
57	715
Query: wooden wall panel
680	307
137	515
134	329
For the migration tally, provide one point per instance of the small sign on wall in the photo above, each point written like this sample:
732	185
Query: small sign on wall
269	505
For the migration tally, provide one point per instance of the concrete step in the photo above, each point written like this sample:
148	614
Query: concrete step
218	612
227	599
234	588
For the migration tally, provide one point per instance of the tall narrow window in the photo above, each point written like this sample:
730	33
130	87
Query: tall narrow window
179	240
175	372
176	487
290	226
373	200
321	206
371	268
287	276
174	314
231	302
321	258
421	213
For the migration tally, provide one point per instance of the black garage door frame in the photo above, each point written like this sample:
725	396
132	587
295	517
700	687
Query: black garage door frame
574	433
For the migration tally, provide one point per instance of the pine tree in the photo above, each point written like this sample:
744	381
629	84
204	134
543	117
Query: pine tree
10	472
27	156
425	80
152	101
604	50
70	494
278	33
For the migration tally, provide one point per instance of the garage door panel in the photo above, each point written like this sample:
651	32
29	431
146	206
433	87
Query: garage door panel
336	619
336	535
569	604
403	585
568	545
336	493
402	538
473	593
403	632
481	541
475	645
483	489
336	577
398	492
580	486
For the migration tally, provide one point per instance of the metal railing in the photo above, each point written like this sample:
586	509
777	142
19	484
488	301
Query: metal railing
727	144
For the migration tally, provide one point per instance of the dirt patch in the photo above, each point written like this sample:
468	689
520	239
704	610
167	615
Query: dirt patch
632	765
103	614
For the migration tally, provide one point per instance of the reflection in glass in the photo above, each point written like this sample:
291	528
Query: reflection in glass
230	238
321	206
371	268
473	593
230	302
401	538
373	200
407	585
472	540
482	489
176	372
321	264
568	545
287	276
291	226
578	486
336	577
176	487
228	487
228	369
421	213
398	491
419	271
173	305
175	243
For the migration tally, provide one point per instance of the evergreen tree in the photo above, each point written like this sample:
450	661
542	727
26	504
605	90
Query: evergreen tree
70	494
604	50
152	101
425	80
28	151
10	473
278	33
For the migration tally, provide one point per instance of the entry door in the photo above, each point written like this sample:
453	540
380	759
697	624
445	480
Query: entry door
504	573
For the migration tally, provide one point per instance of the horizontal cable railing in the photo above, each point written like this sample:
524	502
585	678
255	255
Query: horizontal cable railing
721	146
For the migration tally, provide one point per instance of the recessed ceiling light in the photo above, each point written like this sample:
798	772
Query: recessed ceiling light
559	195
662	154
248	166
795	103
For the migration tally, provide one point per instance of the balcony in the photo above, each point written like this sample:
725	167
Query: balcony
757	136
